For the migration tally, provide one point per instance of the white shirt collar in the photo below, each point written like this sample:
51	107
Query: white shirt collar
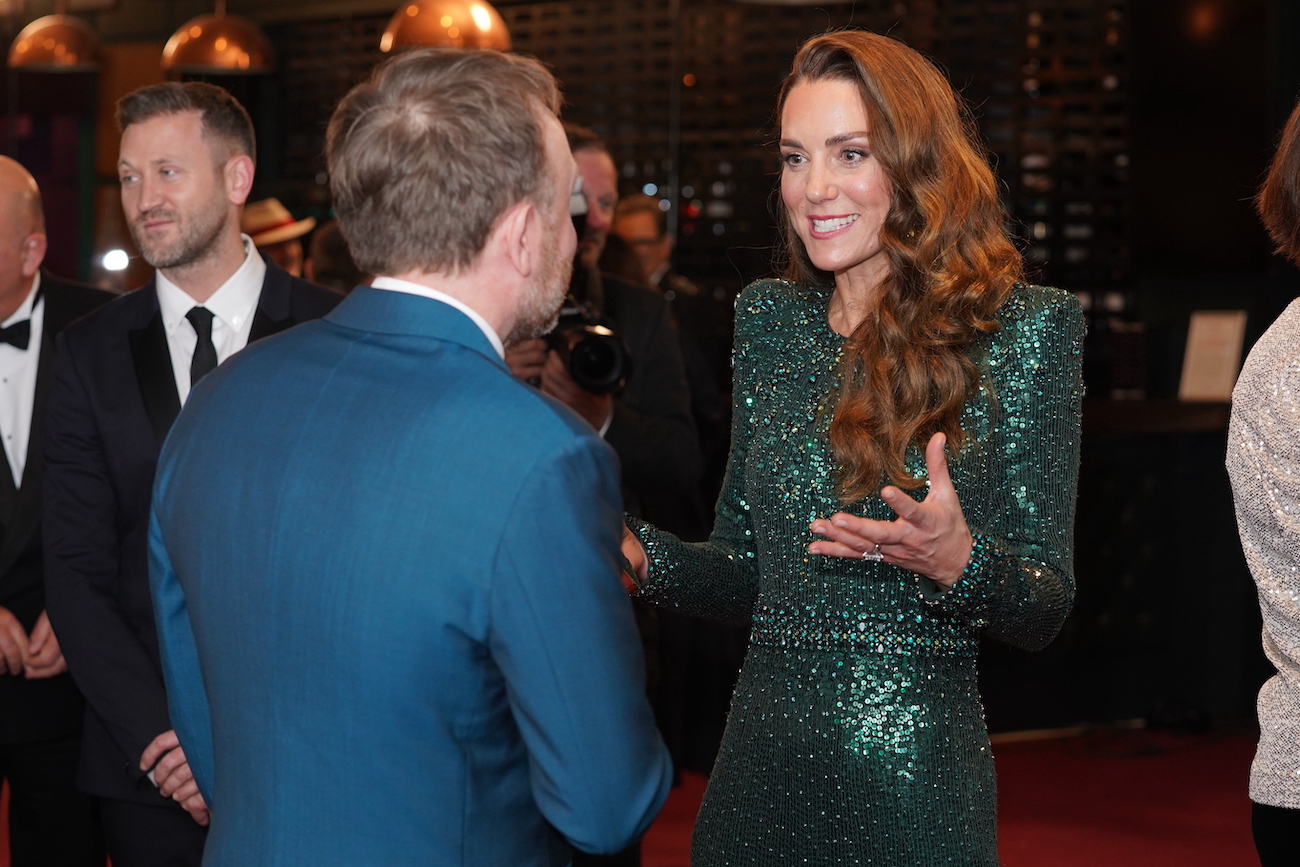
392	284
24	310
660	273
232	303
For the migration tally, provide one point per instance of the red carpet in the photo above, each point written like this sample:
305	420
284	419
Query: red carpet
1120	799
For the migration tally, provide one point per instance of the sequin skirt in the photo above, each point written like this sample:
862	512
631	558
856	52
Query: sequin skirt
839	758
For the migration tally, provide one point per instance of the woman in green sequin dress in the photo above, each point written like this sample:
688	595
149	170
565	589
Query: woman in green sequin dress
902	342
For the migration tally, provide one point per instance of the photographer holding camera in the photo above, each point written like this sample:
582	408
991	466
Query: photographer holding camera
648	419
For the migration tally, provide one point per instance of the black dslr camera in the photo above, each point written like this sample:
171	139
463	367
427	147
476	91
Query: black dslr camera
596	357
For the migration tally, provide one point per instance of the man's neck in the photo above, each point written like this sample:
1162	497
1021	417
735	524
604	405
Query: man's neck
12	301
202	278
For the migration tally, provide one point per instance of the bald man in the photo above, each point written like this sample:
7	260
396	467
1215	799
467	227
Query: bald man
50	822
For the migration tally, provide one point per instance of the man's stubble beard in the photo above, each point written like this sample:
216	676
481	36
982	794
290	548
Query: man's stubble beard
539	310
197	241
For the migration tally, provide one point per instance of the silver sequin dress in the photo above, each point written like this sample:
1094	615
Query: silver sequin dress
856	733
1264	465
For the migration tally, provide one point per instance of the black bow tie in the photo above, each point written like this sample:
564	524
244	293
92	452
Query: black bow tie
19	334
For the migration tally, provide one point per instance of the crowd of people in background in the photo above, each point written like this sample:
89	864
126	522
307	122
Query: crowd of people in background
316	550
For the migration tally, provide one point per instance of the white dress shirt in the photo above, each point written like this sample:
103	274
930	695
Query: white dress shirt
392	284
18	369
232	306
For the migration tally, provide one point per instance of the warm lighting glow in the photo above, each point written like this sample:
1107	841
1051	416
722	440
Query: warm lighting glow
220	43
445	22
116	260
1204	20
55	43
688	80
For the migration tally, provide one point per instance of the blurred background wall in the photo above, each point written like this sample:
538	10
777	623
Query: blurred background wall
1129	136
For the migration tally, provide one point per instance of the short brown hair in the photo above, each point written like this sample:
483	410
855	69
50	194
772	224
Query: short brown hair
1278	201
426	155
583	139
640	203
223	117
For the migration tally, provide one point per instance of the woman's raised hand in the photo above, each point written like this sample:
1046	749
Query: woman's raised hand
930	537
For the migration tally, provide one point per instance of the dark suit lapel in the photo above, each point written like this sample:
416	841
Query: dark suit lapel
153	370
13	533
152	357
273	310
8	500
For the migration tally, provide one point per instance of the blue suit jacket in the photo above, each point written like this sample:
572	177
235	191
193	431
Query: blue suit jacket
385	579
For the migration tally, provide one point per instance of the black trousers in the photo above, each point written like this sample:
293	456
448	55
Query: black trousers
51	824
1277	835
141	835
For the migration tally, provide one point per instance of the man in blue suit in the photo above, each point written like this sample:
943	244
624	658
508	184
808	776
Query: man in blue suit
385	572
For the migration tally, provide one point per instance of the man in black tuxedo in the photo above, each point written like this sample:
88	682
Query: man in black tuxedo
51	823
120	378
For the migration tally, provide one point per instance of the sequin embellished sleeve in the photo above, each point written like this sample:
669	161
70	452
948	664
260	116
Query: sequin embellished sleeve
718	578
1019	585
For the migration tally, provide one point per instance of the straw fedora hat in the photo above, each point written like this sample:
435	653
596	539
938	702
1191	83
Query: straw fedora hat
268	222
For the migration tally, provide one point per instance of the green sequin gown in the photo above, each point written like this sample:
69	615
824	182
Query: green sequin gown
856	733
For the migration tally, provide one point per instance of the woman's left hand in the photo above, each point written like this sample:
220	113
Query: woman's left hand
930	537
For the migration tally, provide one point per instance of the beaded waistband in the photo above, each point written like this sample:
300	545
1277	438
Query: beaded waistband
856	633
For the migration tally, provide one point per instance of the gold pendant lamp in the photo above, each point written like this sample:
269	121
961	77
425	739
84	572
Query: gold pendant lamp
218	44
56	43
458	23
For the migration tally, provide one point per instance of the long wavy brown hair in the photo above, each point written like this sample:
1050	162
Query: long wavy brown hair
907	368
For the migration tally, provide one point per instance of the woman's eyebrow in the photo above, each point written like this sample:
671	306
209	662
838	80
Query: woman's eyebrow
843	137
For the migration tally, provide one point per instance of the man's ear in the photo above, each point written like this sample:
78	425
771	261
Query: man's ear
519	231
32	251
238	175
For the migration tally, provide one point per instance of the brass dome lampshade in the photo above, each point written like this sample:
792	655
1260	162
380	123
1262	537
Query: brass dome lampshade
458	23
218	44
55	43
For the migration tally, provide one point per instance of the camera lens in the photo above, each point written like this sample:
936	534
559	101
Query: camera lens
596	363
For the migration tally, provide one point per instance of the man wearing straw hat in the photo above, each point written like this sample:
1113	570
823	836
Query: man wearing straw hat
276	233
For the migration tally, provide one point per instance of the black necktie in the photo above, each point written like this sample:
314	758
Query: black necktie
19	334
205	354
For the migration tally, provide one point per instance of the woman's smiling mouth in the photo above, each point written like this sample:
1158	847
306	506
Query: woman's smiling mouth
831	225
